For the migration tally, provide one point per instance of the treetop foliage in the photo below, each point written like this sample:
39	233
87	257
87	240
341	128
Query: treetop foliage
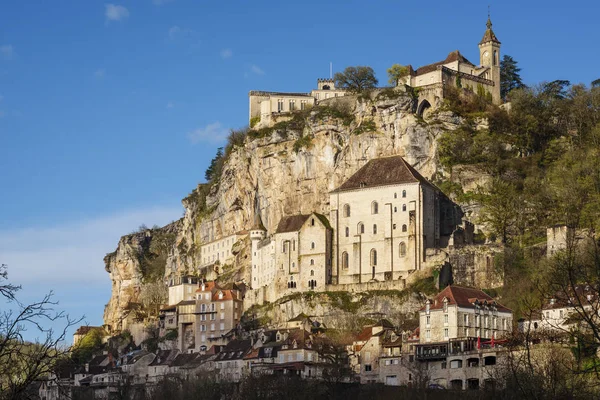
356	79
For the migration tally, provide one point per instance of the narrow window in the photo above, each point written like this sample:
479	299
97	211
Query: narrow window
404	229
374	229
280	105
374	208
346	210
347	232
312	222
344	260
404	193
403	207
292	104
395	195
361	228
373	257
402	249
312	245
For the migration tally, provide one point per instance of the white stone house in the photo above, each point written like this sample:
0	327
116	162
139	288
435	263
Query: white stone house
384	217
268	106
461	312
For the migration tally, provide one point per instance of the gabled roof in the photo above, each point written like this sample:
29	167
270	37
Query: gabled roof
489	35
293	223
383	171
452	57
463	297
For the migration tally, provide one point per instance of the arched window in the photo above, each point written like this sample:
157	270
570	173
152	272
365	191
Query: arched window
404	193
347	232
404	229
373	257
495	57
374	208
312	272
346	210
395	195
403	207
374	229
344	260
312	262
402	249
284	247
312	245
361	228
293	265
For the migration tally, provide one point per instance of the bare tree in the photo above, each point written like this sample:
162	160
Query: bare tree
23	362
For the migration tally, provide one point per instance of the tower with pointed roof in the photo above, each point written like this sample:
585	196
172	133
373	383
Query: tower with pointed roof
489	58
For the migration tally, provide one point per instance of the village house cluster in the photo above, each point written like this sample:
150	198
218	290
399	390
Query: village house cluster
452	355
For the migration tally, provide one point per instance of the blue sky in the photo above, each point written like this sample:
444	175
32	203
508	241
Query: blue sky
110	112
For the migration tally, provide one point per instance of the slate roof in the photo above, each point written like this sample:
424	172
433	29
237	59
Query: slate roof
235	350
383	171
164	357
489	35
291	223
463	297
183	359
452	57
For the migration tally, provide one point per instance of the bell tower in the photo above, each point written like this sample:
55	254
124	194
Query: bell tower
489	57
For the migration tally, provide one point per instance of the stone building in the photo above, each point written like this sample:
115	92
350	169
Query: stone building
297	257
384	217
218	311
455	70
268	106
461	312
204	317
218	251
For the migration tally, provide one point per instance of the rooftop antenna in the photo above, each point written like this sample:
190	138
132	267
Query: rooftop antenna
330	70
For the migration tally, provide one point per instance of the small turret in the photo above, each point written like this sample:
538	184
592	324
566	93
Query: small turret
258	231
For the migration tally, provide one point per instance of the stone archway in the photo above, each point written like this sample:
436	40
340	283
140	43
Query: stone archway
424	105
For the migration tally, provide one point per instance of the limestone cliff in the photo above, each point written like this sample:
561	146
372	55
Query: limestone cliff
138	260
273	176
286	169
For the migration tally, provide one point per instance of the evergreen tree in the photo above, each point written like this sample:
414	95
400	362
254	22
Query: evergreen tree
509	76
214	169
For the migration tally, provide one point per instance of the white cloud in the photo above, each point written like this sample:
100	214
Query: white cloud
99	73
170	105
226	53
72	252
114	12
7	51
257	70
213	133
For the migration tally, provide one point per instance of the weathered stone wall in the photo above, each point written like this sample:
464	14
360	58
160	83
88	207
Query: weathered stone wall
474	266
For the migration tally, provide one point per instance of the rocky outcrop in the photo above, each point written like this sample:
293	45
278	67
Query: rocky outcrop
131	266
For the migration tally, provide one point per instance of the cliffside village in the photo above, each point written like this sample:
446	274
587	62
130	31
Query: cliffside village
385	223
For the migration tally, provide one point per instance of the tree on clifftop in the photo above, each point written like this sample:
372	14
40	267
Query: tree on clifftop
395	73
509	76
356	79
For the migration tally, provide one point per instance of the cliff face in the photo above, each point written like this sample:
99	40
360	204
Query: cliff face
139	259
284	171
268	177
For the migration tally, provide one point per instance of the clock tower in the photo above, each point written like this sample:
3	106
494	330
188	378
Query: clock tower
489	57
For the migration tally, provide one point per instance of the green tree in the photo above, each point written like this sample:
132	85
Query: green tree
396	72
509	76
356	79
213	172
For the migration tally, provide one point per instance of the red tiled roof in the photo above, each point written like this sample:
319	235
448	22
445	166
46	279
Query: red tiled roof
365	334
383	171
463	297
